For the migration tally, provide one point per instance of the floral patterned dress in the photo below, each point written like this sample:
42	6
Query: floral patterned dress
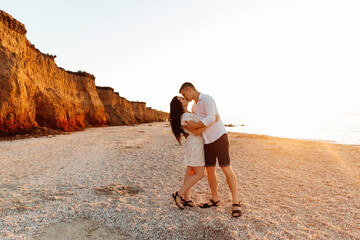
193	145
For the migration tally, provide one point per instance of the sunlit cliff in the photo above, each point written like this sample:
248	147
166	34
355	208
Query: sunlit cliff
35	92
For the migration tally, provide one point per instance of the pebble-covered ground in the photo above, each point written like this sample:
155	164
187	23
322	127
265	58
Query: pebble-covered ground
116	183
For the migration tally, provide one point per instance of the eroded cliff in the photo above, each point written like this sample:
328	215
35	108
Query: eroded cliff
35	92
123	112
119	111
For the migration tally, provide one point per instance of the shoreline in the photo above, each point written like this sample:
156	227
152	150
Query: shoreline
341	128
300	139
116	183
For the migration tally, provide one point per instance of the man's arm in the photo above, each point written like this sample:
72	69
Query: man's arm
198	131
194	126
209	107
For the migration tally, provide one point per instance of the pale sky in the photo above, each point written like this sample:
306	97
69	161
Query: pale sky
257	58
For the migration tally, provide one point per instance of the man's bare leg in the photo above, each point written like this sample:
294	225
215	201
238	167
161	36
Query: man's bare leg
233	185
213	184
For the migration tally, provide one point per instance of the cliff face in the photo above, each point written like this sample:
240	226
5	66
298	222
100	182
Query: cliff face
140	111
118	109
35	92
122	112
156	116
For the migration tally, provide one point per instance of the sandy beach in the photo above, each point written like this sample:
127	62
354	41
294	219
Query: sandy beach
116	183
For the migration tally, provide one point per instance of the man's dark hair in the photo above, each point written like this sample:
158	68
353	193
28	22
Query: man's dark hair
186	85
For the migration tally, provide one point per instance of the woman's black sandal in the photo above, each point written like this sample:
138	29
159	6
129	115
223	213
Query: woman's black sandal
186	203
214	204
238	212
175	195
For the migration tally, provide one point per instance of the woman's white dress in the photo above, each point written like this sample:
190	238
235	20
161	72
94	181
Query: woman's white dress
193	145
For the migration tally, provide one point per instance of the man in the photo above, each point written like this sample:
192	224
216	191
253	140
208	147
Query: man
216	145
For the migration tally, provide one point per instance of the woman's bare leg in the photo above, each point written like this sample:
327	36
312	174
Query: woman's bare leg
190	181
189	172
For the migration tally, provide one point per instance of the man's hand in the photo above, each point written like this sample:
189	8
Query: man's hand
190	125
217	117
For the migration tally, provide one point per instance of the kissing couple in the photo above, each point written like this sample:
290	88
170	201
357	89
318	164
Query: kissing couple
206	141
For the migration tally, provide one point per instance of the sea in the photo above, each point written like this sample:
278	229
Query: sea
341	129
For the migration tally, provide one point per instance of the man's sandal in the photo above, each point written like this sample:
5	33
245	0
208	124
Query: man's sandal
188	203
214	204
176	195
237	212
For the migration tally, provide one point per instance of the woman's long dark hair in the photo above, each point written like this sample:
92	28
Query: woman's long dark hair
176	110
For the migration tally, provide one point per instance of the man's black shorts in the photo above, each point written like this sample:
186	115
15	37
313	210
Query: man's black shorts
218	149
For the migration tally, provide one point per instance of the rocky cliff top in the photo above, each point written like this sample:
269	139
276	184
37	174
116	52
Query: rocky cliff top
82	74
138	102
12	23
105	88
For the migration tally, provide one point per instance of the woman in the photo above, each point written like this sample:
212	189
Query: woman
193	149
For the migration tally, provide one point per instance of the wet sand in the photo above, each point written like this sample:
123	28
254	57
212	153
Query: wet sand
116	183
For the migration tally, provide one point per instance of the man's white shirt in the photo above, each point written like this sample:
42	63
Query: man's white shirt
206	109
